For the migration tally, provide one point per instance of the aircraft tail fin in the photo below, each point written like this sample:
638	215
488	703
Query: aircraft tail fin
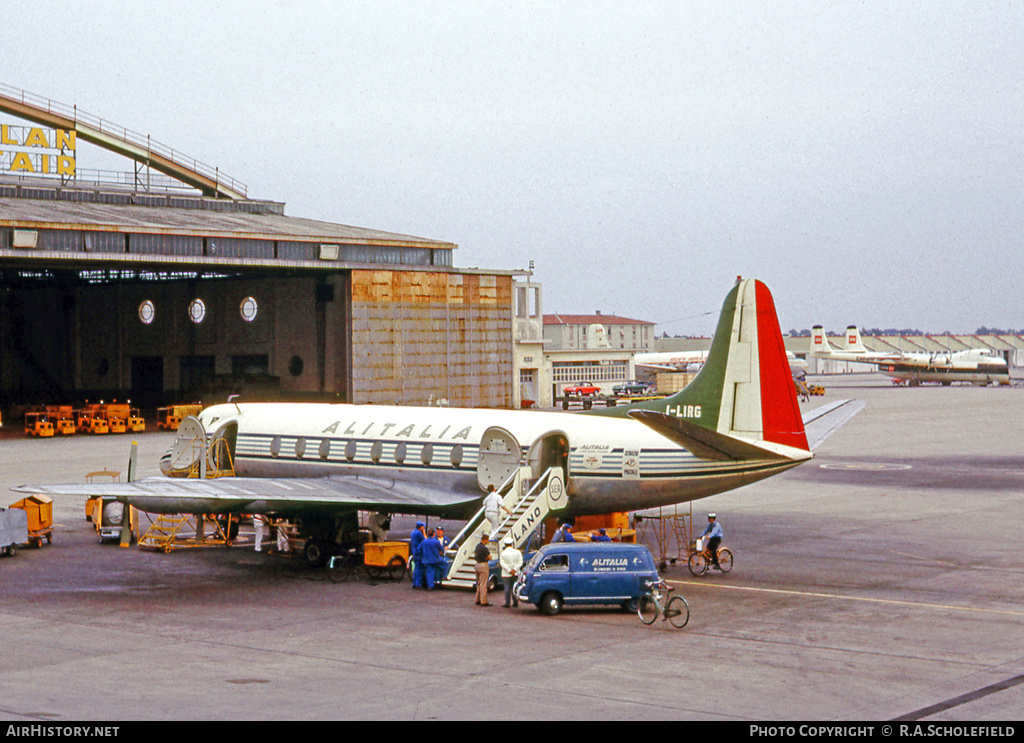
819	342
853	341
743	393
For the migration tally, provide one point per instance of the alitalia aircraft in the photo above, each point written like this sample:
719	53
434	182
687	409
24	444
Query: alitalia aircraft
738	422
975	365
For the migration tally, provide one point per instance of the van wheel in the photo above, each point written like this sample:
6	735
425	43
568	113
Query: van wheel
631	605
550	603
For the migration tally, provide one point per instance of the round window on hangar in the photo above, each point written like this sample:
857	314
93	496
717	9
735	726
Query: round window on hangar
248	309
197	311
147	312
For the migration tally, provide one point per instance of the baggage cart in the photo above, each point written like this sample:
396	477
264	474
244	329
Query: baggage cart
13	529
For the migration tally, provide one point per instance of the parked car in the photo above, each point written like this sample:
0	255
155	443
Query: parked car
581	389
632	387
577	573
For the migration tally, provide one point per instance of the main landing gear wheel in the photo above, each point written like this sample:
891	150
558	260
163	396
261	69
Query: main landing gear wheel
314	554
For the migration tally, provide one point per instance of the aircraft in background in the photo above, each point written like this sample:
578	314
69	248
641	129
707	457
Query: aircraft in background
737	422
691	361
975	365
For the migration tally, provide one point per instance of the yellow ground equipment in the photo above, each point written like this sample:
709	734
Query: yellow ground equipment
116	415
63	419
135	422
39	509
38	424
108	516
170	418
390	558
91	420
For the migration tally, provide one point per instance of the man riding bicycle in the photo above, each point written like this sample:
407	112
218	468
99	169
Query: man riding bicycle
714	529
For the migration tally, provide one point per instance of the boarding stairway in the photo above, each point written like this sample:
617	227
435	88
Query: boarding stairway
528	513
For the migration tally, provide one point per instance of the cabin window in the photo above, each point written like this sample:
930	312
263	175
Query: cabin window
300	447
376	451
275	447
456	455
400	453
325	449
350	451
427	453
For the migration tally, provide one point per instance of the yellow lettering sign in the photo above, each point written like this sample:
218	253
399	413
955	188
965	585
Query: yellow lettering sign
36	138
22	163
65	165
5	135
65	139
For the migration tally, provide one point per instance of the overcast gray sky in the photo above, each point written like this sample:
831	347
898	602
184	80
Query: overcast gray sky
864	159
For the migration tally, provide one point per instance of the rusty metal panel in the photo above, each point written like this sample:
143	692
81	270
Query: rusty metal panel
426	336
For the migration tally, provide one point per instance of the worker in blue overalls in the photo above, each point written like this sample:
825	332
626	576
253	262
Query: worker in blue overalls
432	558
416	539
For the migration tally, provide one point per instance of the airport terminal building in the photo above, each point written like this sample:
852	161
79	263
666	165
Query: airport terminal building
172	285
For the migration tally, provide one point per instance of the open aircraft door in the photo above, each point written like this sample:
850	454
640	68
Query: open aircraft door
500	454
551	450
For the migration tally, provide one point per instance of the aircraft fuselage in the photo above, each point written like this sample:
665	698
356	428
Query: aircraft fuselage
613	464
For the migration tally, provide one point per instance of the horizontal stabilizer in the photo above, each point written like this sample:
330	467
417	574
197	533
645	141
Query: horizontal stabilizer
822	422
702	442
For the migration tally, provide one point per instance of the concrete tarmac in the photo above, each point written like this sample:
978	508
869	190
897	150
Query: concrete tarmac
882	580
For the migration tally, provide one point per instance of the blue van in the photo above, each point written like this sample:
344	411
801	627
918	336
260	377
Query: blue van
575	573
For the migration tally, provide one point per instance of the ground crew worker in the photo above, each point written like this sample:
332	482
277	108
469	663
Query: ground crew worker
432	557
511	561
714	529
415	541
482	555
563	534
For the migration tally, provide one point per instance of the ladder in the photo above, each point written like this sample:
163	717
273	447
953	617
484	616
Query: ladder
163	532
528	513
166	532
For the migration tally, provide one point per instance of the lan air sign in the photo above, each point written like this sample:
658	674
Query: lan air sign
37	151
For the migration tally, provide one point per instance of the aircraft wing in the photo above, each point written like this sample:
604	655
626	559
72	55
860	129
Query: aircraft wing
268	495
822	422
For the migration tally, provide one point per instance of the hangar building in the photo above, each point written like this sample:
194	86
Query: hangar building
176	286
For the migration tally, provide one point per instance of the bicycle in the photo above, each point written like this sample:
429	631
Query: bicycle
701	560
340	567
674	609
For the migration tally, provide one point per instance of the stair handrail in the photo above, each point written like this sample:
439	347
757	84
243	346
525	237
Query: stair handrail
471	525
510	522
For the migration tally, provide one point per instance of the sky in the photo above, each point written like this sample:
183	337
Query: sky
863	159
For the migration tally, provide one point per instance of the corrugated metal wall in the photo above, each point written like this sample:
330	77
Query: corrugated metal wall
419	337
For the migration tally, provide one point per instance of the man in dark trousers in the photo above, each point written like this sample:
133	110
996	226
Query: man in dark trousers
482	555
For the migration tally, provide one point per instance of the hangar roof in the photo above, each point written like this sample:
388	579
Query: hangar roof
43	214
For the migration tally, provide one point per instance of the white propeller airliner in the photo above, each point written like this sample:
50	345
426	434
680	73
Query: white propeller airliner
738	422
